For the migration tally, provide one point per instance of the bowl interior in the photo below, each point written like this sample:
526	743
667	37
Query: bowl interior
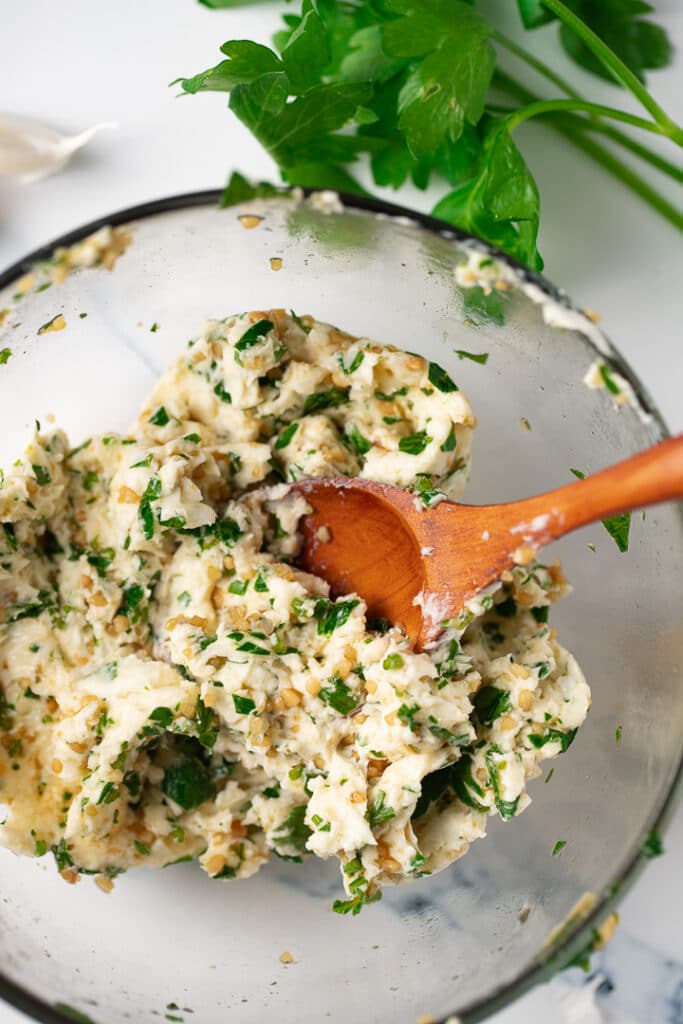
469	938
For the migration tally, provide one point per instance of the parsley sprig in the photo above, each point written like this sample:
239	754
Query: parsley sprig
419	88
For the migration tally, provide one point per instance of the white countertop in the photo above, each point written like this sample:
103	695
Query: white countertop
75	64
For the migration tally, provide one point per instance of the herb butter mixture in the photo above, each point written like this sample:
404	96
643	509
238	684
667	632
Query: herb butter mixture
172	687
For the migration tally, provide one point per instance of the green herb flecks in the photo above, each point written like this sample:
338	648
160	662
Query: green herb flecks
379	811
332	615
160	417
243	705
358	442
414	444
440	379
293	832
338	696
286	436
188	782
253	336
145	511
427	491
617	526
476	357
42	474
490	703
506	808
653	846
330	399
465	786
451	441
565	739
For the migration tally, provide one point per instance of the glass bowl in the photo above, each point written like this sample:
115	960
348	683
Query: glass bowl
467	941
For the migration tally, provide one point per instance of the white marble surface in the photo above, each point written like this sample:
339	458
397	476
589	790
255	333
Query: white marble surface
79	62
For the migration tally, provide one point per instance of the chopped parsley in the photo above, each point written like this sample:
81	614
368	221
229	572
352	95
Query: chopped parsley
490	703
440	379
450	443
252	336
331	615
355	363
330	399
608	380
145	511
42	474
383	396
476	357
506	808
286	436
238	586
159	417
133	596
559	846
379	811
414	444
358	442
617	526
466	788
653	846
243	705
337	695
427	491
62	856
565	739
220	392
187	781
293	831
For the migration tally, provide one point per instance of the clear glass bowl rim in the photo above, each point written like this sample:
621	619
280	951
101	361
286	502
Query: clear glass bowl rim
575	937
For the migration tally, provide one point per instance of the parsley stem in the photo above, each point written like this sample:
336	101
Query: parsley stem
626	176
622	139
617	68
536	64
550	106
577	123
566	125
595	124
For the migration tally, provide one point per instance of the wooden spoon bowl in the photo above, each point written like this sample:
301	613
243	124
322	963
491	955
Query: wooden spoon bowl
417	566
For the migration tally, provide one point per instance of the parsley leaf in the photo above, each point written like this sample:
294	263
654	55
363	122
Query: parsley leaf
449	84
407	82
238	189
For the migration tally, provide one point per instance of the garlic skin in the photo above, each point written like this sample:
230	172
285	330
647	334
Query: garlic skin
30	150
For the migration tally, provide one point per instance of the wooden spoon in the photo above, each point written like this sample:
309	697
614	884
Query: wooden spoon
417	566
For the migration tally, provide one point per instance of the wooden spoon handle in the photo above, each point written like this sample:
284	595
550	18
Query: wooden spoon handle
648	478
